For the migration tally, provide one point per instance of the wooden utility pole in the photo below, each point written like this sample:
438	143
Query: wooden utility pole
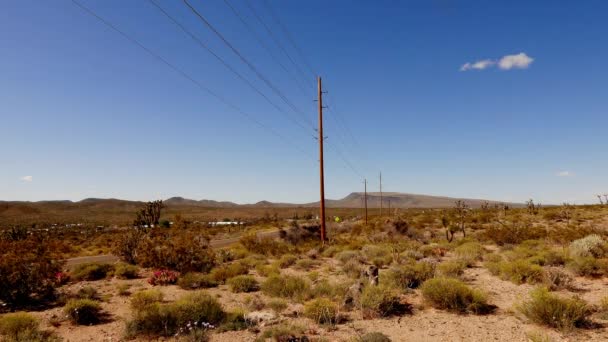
389	208
380	194
322	178
365	199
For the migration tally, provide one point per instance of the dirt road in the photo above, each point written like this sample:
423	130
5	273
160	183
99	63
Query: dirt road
221	243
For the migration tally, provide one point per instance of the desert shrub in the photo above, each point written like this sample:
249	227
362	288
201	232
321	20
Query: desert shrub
222	273
521	271
373	337
23	327
555	278
91	271
166	319
277	305
548	309
377	255
126	247
83	311
178	250
243	283
223	256
323	288
514	233
126	271
322	311
287	260
267	270
550	257
233	321
192	281
306	264
451	269
286	286
124	290
469	252
587	266
283	332
142	299
589	246
163	277
348	256
453	295
87	292
353	268
265	246
27	272
411	275
433	250
380	301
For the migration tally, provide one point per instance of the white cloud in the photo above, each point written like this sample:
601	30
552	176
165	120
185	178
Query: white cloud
519	61
508	62
564	174
27	178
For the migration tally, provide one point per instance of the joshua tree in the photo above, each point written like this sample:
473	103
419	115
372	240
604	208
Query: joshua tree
600	198
462	212
532	208
149	215
566	212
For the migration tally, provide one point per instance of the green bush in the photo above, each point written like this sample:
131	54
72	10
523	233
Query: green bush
451	269
167	319
267	270
91	271
469	253
521	271
548	309
126	271
23	327
277	305
286	286
346	256
265	246
83	311
145	298
282	332
243	283
590	246
587	266
306	264
225	272
193	281
87	292
380	301
411	275
322	311
353	268
27	272
453	295
555	278
373	337
287	260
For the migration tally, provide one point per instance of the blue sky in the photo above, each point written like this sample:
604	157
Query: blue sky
86	113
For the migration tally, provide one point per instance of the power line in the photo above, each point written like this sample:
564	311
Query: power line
288	35
188	77
221	60
249	64
276	40
265	46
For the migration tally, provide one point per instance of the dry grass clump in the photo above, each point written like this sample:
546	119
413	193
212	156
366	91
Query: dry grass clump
23	327
222	273
83	311
469	253
283	332
92	271
277	305
193	281
286	286
306	264
411	275
377	255
126	271
287	260
517	271
513	233
551	310
142	299
381	301
243	283
353	268
372	337
454	295
451	269
322	311
265	246
267	270
590	246
588	266
87	292
347	256
555	278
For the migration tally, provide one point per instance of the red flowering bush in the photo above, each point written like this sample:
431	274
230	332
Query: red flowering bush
163	277
62	278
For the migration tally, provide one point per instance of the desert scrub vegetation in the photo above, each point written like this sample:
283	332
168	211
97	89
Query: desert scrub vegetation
469	253
146	298
23	327
553	311
126	271
286	286
92	271
589	246
265	246
411	275
588	266
451	269
156	318
287	260
193	281
163	277
517	271
243	283
381	301
83	311
28	272
282	332
222	273
322	311
372	337
453	295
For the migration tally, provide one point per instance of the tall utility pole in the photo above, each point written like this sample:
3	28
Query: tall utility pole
389	208
380	194
365	199
322	178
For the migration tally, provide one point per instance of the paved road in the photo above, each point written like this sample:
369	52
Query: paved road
220	243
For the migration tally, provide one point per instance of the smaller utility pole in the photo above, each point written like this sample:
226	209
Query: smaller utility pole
321	178
380	194
389	208
365	199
